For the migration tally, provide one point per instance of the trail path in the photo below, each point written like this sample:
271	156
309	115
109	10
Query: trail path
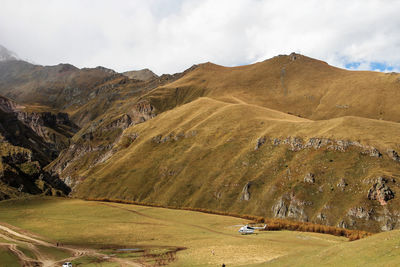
42	259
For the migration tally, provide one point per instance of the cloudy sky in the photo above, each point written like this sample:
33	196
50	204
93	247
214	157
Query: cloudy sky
169	36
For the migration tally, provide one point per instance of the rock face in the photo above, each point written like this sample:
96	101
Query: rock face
55	129
360	213
290	207
101	140
309	178
380	191
297	144
393	155
28	142
245	195
342	184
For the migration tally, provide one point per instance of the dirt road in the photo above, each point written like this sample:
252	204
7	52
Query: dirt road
19	238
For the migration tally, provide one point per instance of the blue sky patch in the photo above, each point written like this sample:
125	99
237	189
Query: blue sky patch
374	66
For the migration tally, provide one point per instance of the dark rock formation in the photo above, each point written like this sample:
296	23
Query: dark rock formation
380	191
393	155
342	224
260	142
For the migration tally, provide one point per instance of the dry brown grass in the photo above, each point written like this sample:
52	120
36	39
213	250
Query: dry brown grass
280	224
272	224
215	155
306	87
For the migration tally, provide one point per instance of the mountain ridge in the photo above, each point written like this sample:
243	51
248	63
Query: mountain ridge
289	137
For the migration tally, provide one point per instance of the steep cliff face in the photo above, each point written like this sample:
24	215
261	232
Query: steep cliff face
52	130
29	141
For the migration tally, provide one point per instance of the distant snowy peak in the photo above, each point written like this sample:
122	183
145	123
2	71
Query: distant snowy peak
7	55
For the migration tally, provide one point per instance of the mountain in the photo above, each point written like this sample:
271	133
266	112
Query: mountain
294	84
290	137
28	142
7	55
143	75
61	87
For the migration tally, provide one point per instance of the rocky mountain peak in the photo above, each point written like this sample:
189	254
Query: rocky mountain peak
143	75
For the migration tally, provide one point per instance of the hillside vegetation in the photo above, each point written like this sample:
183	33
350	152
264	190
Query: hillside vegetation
290	137
205	154
180	238
294	84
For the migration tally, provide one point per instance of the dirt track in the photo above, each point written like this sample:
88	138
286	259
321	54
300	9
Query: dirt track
43	260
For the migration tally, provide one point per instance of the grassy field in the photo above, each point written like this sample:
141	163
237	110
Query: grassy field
109	227
183	238
7	258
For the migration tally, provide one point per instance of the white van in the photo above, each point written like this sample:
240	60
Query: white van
67	264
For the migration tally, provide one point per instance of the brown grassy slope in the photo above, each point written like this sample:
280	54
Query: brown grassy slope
297	84
208	156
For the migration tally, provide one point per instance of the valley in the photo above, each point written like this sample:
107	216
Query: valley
109	234
290	138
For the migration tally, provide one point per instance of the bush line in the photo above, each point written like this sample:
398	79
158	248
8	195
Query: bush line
272	224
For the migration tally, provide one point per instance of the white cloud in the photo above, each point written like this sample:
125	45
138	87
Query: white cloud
170	36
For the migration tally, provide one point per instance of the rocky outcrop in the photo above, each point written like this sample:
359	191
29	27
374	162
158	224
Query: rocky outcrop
245	195
360	213
280	209
52	127
342	184
122	122
342	224
294	56
309	178
21	174
297	144
393	155
7	105
260	142
160	139
380	191
102	139
290	207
